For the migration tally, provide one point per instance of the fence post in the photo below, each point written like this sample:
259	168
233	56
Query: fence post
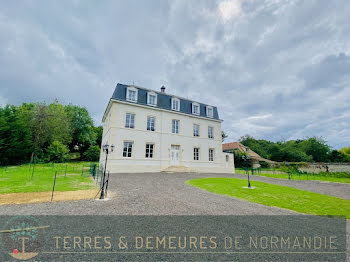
82	170
65	173
53	188
33	169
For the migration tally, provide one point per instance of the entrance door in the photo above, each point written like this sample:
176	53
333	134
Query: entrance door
174	155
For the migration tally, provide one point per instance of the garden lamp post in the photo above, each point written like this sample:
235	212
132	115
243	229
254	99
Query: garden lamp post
106	149
245	159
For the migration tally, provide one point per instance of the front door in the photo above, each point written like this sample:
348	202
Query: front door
174	155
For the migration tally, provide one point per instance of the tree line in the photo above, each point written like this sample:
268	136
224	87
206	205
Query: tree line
312	149
43	132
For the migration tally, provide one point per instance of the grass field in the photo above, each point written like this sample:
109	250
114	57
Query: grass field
278	196
15	179
339	177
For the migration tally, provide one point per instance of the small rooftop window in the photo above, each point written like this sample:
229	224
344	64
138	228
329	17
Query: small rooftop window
210	111
131	94
152	98
195	109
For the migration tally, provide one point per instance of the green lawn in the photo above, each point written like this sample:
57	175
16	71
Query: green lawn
15	179
278	196
330	177
339	177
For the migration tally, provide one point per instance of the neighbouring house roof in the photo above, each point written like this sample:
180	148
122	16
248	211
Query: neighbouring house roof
244	149
163	101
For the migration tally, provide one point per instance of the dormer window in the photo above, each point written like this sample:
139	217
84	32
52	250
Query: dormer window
151	98
210	111
195	109
131	94
175	104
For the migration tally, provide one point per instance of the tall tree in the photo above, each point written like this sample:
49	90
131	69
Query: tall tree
58	124
317	148
82	128
15	136
98	133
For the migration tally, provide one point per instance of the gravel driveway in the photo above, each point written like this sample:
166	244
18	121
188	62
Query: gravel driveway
167	194
150	194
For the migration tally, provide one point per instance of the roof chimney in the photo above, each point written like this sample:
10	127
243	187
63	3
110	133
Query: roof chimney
162	89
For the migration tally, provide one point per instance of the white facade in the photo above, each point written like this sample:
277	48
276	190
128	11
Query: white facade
162	149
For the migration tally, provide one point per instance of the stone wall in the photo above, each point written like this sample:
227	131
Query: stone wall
322	167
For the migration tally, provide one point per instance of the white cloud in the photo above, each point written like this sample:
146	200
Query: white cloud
229	9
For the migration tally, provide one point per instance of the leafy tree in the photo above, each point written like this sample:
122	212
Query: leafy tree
98	134
39	128
317	148
15	136
258	146
339	156
82	128
345	150
58	152
92	154
58	124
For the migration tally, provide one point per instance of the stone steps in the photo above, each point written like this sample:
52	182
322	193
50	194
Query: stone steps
178	169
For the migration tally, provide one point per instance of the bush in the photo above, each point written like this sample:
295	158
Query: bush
92	154
240	162
264	164
57	152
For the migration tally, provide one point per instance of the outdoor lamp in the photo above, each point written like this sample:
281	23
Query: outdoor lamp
105	149
246	158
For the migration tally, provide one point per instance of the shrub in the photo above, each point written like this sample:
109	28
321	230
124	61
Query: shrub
92	154
240	162
264	164
57	152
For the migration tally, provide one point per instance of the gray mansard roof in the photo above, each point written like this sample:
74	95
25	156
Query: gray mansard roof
163	101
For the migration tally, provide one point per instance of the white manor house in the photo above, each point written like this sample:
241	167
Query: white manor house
154	131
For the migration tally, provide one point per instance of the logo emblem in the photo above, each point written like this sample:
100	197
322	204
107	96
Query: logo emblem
23	237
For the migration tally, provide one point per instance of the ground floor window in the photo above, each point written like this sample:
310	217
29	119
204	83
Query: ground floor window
127	150
149	150
196	153
211	154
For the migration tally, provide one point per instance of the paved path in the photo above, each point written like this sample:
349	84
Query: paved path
340	190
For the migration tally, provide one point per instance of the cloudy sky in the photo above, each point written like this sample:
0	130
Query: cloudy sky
277	70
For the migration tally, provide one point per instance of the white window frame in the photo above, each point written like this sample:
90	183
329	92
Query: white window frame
211	135
173	99
196	133
126	117
130	88
199	109
149	154
196	155
154	123
208	109
175	128
127	149
211	156
149	94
